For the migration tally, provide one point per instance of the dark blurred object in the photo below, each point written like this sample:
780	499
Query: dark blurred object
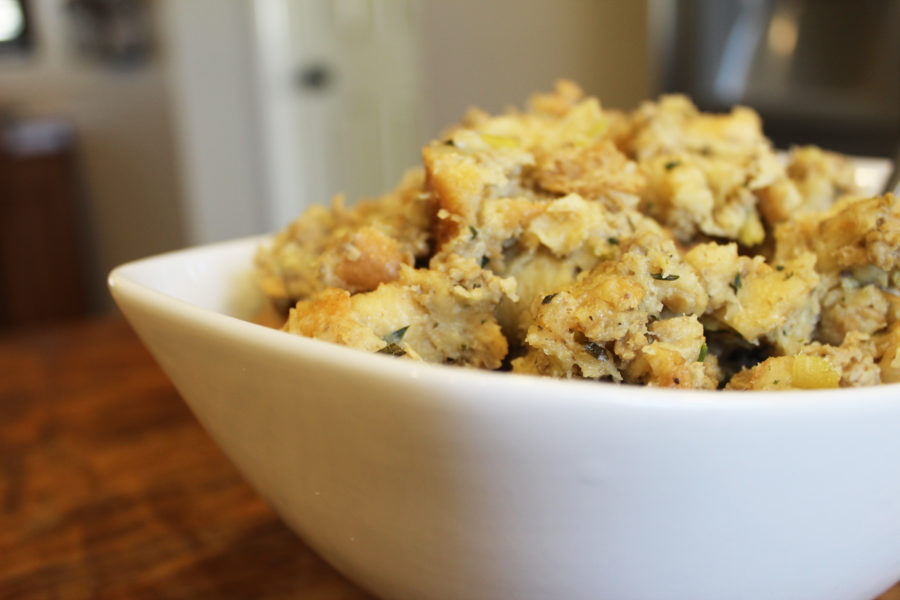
114	32
41	276
893	182
818	71
15	27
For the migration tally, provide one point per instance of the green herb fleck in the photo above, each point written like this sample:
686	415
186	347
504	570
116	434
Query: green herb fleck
672	164
789	275
613	241
595	350
392	349
449	142
548	298
395	336
776	382
661	277
736	284
779	267
704	350
484	261
473	231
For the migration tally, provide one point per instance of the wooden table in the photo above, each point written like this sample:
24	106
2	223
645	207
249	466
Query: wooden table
110	489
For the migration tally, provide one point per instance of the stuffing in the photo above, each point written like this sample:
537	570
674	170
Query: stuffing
821	177
816	179
859	235
443	315
349	248
596	327
850	306
705	172
815	366
665	247
677	356
757	300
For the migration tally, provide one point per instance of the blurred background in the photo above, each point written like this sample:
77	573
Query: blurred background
132	127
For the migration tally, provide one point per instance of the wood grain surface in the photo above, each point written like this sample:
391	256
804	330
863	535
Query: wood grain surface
109	488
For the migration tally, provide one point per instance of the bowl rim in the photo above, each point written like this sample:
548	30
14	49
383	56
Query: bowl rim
124	284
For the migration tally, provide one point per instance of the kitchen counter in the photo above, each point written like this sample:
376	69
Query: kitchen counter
109	488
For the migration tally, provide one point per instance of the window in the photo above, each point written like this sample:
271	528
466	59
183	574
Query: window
15	34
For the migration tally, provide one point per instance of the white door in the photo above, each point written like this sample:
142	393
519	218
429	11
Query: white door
340	98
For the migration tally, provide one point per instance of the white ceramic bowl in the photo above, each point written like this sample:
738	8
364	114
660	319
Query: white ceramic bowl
431	482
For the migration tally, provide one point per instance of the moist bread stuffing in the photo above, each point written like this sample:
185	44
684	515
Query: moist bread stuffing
665	247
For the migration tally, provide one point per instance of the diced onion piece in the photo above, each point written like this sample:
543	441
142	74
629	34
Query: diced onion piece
813	372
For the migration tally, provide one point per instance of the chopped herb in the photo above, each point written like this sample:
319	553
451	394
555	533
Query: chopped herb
672	164
704	350
779	267
484	261
776	382
789	275
662	277
393	350
395	336
613	241
463	347
449	142
473	231
548	298
736	284
595	350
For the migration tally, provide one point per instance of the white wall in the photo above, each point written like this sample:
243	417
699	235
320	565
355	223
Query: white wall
212	84
124	142
495	53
